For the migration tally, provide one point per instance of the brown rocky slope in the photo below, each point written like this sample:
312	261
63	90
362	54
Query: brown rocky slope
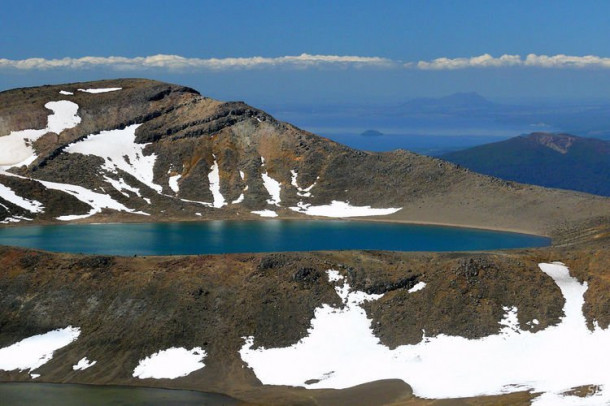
128	308
189	133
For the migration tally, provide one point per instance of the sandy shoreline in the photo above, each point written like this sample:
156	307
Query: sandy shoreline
372	219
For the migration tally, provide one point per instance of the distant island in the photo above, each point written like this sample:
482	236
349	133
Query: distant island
371	133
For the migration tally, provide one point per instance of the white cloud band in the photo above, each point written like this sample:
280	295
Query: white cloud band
532	60
482	61
304	61
176	62
566	61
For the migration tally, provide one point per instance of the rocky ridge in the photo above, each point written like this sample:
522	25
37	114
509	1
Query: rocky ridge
181	156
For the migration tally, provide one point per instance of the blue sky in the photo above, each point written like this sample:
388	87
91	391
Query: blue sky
356	51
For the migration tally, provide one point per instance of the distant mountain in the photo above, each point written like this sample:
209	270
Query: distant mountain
456	101
553	160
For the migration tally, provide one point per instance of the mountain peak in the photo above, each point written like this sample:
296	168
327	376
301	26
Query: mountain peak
557	142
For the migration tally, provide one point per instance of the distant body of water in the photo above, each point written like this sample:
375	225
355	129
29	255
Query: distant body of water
432	145
20	394
218	237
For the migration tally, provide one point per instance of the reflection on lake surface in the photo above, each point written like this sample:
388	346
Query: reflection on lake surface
19	394
216	237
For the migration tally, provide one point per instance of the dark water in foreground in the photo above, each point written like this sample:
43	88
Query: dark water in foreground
21	394
216	237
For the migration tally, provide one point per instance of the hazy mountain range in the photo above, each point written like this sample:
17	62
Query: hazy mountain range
552	160
434	126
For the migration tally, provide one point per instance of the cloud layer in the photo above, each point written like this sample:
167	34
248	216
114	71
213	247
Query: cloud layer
176	62
305	61
532	60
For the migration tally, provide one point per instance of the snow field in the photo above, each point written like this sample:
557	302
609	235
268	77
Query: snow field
265	213
97	201
64	116
33	352
16	148
14	219
100	90
119	150
121	185
341	209
551	361
171	363
33	206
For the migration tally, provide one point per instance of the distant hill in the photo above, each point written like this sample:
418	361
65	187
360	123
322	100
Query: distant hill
553	160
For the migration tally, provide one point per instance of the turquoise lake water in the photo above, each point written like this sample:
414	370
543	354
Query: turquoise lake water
216	237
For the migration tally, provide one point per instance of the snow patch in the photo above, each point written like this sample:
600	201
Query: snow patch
240	198
100	90
418	286
170	364
265	213
341	209
64	116
339	338
66	93
119	151
173	183
83	364
302	192
242	195
214	178
551	361
33	206
97	201
33	352
334	276
121	185
273	186
16	148
206	204
14	219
